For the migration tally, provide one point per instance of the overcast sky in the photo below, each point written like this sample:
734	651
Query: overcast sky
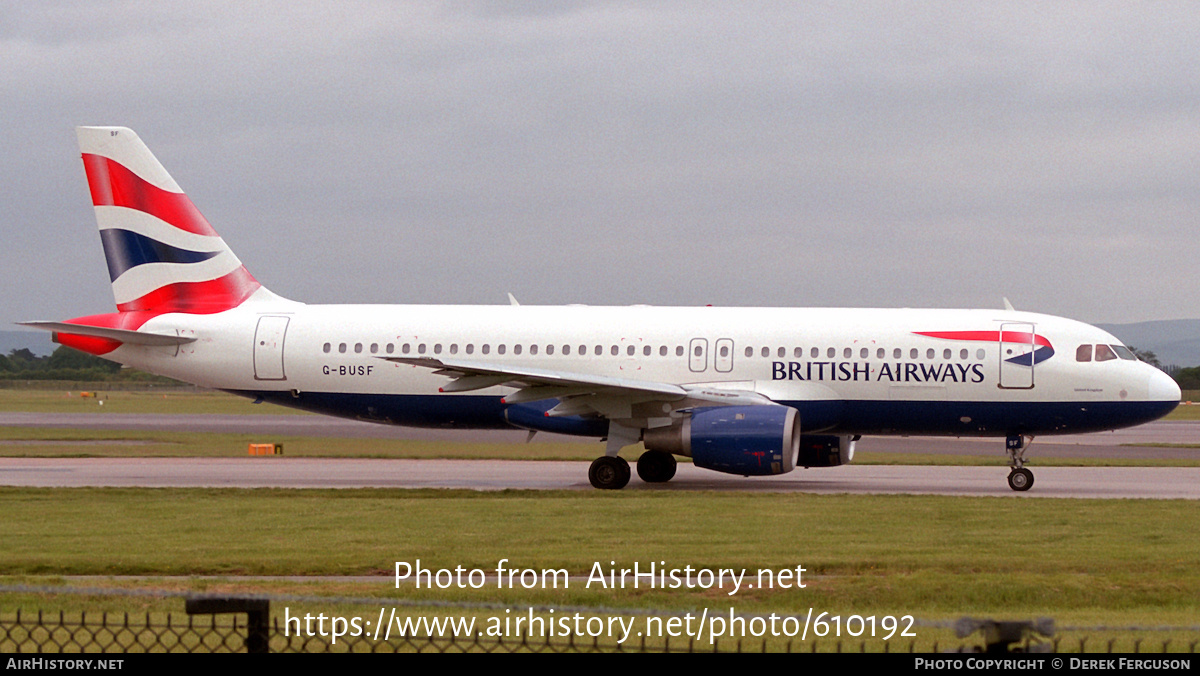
671	153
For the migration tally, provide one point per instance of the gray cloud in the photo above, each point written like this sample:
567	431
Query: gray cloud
670	153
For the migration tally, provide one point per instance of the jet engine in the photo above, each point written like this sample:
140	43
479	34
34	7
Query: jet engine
746	440
825	450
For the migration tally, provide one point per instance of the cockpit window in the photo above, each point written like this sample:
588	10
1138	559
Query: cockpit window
1084	353
1124	353
1104	353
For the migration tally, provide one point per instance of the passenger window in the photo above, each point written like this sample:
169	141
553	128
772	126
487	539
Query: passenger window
630	350
342	348
566	350
437	348
1104	353
615	350
662	351
896	353
980	353
963	354
880	353
678	350
516	349
798	352
391	348
699	350
486	348
453	348
646	351
912	354
1083	353
831	352
846	353
815	352
501	348
328	348
533	349
599	350
549	349
358	348
946	353
724	351
405	348
470	348
929	353
766	352
421	348
749	352
862	354
374	348
781	352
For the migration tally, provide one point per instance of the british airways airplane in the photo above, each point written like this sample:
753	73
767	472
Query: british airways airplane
749	391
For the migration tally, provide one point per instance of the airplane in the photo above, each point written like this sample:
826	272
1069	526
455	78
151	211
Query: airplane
750	391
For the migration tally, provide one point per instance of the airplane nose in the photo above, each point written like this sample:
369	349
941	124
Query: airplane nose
1163	387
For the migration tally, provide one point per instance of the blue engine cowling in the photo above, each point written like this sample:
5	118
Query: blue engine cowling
746	440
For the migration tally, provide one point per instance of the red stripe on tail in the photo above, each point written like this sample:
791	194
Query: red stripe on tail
114	185
203	298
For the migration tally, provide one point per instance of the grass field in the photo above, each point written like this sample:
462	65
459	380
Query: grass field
1083	562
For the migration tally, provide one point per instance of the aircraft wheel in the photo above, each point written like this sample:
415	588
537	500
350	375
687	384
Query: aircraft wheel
655	467
1020	479
609	473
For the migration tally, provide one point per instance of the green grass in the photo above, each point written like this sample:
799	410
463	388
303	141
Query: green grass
1083	562
102	401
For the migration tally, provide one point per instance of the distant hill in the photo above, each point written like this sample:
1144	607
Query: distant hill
1175	341
38	342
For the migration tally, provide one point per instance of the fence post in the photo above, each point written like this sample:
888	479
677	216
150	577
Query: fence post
257	611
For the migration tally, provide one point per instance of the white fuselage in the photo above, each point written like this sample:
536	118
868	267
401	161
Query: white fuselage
850	370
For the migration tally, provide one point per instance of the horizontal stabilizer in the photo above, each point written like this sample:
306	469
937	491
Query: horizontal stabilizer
121	335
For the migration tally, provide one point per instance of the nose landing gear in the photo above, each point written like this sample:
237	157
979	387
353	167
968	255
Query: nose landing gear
1019	479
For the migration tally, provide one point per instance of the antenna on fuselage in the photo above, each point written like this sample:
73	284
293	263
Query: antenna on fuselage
512	300
1007	305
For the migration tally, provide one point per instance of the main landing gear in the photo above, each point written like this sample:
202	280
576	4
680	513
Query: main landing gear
611	472
1019	479
656	467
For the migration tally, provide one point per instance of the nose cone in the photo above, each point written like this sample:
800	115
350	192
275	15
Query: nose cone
1163	387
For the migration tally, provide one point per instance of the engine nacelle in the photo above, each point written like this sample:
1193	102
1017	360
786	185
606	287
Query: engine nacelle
824	450
746	440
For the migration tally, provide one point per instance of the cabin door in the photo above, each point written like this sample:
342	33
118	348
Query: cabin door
1016	356
268	348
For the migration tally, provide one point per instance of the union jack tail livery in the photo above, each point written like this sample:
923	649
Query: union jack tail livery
163	256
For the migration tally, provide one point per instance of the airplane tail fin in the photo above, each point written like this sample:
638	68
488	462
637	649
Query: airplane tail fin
163	256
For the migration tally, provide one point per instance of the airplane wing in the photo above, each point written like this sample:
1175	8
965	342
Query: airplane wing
585	394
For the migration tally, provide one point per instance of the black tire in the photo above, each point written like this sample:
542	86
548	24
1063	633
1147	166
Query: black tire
656	467
609	473
1020	479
